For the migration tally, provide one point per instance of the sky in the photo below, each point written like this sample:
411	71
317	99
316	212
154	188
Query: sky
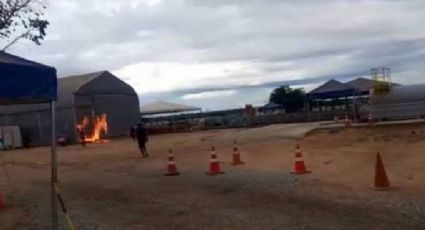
221	54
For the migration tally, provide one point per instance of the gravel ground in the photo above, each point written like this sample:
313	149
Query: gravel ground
238	199
109	186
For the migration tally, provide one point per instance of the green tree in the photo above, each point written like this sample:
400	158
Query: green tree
22	19
291	99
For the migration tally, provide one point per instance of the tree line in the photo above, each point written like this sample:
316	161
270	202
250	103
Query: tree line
293	99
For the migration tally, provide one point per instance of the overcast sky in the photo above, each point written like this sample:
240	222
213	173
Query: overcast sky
225	53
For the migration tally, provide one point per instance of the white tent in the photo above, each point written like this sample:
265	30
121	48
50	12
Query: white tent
162	107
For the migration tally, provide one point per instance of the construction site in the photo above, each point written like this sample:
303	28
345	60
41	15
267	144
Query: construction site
212	115
325	170
109	186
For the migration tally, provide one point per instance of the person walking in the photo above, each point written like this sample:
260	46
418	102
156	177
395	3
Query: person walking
142	139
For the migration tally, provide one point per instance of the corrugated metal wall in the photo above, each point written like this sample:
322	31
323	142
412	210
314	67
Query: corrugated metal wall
29	124
108	94
35	125
122	111
104	94
400	94
402	102
398	111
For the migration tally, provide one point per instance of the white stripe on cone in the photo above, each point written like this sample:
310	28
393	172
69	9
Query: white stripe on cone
298	156
213	160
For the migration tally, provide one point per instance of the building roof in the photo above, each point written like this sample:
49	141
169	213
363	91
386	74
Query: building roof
362	84
8	58
24	81
67	87
331	85
332	89
336	89
271	105
162	107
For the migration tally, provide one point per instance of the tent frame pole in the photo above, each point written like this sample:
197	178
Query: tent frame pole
54	166
354	106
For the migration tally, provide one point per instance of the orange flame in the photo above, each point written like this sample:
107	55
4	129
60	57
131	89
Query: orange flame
100	125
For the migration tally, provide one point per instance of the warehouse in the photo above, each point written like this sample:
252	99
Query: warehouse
83	97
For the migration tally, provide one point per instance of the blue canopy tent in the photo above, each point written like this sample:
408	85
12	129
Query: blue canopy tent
26	82
271	107
332	89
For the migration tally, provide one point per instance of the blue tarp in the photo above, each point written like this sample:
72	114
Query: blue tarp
23	81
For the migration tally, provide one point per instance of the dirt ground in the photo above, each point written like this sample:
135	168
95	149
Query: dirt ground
109	185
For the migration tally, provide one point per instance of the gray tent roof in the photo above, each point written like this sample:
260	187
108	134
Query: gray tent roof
161	107
336	89
271	105
332	89
332	86
12	59
364	84
67	86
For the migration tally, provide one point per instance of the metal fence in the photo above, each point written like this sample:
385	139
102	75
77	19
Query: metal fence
243	121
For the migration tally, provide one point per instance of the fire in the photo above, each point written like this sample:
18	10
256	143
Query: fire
100	125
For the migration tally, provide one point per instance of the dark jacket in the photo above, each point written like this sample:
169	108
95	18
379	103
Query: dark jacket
133	132
142	134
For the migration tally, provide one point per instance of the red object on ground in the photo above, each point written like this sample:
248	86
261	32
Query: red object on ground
2	201
171	167
214	164
381	179
236	155
299	162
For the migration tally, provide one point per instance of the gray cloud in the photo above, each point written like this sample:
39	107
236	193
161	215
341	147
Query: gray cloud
284	41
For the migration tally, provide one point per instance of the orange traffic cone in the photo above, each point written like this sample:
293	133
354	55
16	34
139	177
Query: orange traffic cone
236	155
347	121
299	162
381	179
2	201
171	167
214	164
